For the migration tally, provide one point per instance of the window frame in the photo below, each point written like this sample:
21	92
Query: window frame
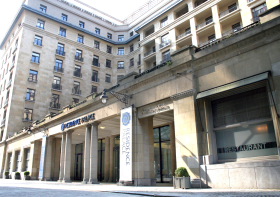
35	57
43	8
97	31
62	32
80	39
26	115
30	94
164	22
120	65
121	51
40	24
109	36
108	78
64	17
81	24
121	37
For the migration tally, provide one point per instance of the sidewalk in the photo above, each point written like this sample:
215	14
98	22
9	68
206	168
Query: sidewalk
109	188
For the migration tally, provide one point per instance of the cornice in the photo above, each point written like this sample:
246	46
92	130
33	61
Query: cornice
182	95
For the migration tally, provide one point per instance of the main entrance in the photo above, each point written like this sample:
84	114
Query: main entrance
101	159
162	154
116	157
78	171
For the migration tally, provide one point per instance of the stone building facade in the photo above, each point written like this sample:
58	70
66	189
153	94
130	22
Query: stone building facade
207	103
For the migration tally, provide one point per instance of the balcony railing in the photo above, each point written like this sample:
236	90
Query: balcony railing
3	122
58	69
12	66
207	42
166	58
54	105
59	52
6	102
38	42
204	23
77	74
150	52
76	91
138	63
9	84
184	34
222	14
166	43
79	58
94	79
94	63
56	86
232	31
108	65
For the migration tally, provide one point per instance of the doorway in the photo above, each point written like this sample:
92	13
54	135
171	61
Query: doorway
101	159
78	172
162	154
116	158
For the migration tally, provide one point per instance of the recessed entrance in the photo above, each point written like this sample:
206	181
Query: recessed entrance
78	171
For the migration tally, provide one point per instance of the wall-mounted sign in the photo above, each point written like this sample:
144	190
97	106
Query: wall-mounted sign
126	145
78	121
155	108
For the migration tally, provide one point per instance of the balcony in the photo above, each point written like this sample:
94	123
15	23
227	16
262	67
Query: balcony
96	64
183	34
201	25
77	74
58	69
232	31
165	58
9	84
199	2
56	87
94	79
54	105
149	52
3	122
59	52
165	44
12	66
79	58
222	14
6	102
206	43
76	91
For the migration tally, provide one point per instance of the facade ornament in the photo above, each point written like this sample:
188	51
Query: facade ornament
182	95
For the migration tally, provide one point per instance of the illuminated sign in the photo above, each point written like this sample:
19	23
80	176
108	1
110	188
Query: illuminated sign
78	121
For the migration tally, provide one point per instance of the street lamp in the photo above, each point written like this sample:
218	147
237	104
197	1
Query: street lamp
121	97
29	131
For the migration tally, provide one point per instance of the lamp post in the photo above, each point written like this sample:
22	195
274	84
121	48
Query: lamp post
121	97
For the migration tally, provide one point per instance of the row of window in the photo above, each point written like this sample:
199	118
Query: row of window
64	17
17	159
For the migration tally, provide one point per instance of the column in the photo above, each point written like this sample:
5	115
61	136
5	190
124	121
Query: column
67	161
172	148
216	19
34	161
158	52
2	160
195	40
87	154
107	159
93	153
172	37
191	5
62	157
48	160
112	144
22	163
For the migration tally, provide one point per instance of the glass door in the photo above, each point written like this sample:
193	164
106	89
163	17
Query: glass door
116	159
78	171
101	159
162	154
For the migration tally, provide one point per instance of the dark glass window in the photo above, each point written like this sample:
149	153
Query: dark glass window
32	76
109	35
209	20
60	49
27	157
131	48
40	24
81	24
77	72
96	44
120	65
80	39
97	31
258	10
35	57
121	38
93	89
109	49
55	101
95	60
121	51
30	95
62	32
43	8
108	63
131	62
164	22
108	78
38	40
64	17
94	76
28	113
131	34
75	101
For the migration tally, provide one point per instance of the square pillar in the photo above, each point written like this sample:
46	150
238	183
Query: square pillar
111	168
62	157
172	148
107	159
87	154
48	160
67	161
2	160
193	31
216	19
93	153
34	162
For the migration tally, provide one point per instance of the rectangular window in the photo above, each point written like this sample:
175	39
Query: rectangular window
119	77
40	24
30	95
96	44
95	61
35	57
131	34
17	161
77	72
108	78
26	159
94	76
64	17
32	76
131	62
76	88
43	8
75	101
121	38
56	83
80	39
165	38
38	40
164	22
79	55
109	35
55	101
121	51
258	10
27	116
62	32
109	49
120	65
166	56
81	24
93	89
131	48
58	66
60	49
108	63
97	31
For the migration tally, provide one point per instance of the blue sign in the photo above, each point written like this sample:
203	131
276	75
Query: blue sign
125	118
77	122
42	159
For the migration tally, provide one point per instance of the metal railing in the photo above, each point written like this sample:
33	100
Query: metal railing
138	63
6	102
12	66
222	14
95	64
79	58
76	91
9	84
54	105
77	74
232	31
58	52
56	86
207	42
166	43
204	23
94	79
165	58
3	122
58	69
198	4
38	42
150	52
183	34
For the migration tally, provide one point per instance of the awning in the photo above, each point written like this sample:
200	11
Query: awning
236	84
